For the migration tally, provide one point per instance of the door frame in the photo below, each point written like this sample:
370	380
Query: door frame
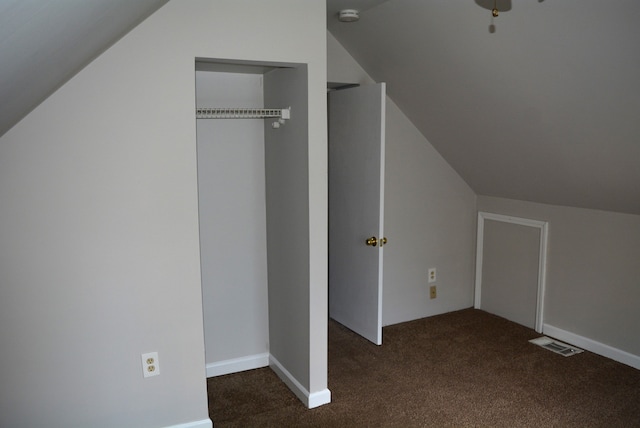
543	227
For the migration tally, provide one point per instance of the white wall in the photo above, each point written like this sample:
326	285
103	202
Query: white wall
232	210
287	228
510	271
429	214
593	270
99	248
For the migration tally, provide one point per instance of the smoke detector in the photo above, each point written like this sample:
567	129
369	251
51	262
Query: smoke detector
349	15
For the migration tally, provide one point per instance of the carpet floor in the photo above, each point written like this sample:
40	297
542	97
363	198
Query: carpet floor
462	369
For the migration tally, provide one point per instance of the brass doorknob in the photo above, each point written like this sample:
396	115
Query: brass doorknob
373	241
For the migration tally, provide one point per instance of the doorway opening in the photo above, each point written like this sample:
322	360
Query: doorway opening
253	191
356	207
511	259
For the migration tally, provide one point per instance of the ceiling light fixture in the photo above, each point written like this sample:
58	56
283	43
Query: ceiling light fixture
495	6
349	15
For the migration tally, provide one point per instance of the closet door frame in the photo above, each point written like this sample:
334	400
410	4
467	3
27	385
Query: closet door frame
543	227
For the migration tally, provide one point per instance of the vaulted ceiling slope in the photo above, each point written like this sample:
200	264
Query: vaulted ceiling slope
543	107
43	43
546	108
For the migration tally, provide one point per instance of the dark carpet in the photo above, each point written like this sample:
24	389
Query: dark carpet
462	369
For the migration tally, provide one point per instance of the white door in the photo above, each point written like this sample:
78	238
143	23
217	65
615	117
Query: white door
356	202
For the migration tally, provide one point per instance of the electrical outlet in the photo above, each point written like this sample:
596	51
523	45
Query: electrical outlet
150	364
432	275
432	292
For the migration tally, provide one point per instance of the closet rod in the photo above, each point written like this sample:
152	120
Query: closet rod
242	113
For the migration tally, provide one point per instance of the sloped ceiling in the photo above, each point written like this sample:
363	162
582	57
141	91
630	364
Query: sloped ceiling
43	43
541	103
544	106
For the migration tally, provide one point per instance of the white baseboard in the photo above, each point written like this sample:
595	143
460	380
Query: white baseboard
320	398
235	365
310	400
592	346
205	423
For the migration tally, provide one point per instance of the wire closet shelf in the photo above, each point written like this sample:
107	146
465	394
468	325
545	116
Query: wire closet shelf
243	113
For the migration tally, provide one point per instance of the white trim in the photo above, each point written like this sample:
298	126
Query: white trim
593	346
235	365
542	258
310	400
205	423
383	121
319	398
479	256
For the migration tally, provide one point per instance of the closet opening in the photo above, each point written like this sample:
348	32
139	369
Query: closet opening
253	198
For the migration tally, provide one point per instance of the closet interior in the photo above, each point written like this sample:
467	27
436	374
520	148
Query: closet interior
252	148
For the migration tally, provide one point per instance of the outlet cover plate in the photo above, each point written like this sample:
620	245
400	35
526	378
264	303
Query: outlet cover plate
432	275
150	364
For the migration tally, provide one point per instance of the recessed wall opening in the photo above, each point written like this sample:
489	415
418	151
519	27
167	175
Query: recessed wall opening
511	268
233	242
254	222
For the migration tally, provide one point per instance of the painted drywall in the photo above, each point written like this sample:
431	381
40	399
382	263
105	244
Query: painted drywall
543	108
232	211
286	160
592	287
510	264
99	236
430	214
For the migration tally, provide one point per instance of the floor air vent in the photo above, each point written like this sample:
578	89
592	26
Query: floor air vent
555	346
